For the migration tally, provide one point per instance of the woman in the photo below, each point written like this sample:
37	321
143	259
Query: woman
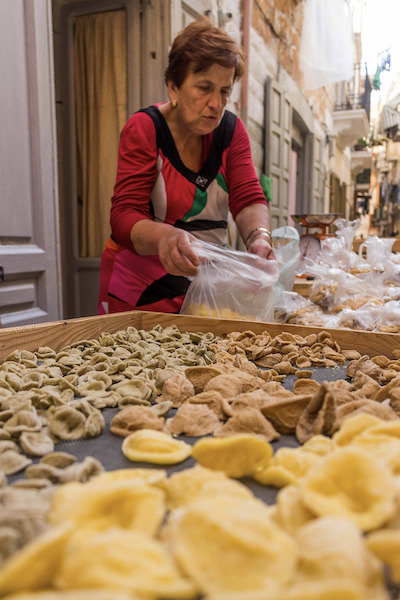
182	165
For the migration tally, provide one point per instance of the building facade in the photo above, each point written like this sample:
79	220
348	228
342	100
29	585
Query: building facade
60	126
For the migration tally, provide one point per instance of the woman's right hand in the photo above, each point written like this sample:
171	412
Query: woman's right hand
176	253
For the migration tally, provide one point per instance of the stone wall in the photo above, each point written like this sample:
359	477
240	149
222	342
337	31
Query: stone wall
276	28
279	23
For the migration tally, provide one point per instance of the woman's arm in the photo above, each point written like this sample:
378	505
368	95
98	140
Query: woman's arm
246	198
253	224
136	173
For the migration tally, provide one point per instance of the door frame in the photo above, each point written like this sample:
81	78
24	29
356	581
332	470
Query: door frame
151	25
80	276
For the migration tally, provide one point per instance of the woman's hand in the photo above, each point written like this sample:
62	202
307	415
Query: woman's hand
262	246
176	253
173	246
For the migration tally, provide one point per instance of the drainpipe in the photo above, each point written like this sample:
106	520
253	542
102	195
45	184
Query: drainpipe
244	92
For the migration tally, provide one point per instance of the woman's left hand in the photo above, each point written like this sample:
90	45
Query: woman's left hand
262	246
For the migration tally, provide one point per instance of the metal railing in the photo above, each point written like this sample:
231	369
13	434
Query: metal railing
351	96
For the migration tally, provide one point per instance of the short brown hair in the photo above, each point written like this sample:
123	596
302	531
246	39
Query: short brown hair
200	45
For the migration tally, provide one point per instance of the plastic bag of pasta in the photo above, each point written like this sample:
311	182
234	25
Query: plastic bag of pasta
231	284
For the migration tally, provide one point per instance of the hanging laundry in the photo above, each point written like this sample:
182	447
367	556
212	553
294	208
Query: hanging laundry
366	101
385	61
376	84
327	45
367	84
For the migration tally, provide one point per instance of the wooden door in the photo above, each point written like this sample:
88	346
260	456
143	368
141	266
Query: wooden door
184	12
310	176
30	287
278	124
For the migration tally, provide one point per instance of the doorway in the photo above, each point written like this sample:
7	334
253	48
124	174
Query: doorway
100	107
109	58
337	199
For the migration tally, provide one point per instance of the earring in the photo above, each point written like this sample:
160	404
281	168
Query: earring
174	103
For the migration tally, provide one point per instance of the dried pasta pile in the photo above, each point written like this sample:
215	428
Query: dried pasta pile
71	531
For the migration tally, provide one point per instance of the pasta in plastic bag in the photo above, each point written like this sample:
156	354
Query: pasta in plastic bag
231	284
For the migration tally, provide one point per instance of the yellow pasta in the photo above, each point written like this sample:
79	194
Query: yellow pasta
353	483
236	455
141	507
149	445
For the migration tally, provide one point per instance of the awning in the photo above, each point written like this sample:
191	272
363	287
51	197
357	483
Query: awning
390	116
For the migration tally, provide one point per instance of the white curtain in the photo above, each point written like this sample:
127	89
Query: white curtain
327	45
100	109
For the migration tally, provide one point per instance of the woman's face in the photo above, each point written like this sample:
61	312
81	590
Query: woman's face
201	99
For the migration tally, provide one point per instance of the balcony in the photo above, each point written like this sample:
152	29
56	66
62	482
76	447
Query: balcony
350	120
352	109
361	159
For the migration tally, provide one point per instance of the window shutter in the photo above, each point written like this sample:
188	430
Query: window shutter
317	177
278	125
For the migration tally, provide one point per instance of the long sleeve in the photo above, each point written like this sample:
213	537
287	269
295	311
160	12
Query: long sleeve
243	183
136	172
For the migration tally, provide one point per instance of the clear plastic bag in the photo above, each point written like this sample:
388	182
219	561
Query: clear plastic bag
297	310
287	251
348	290
378	252
368	316
346	230
231	284
390	317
